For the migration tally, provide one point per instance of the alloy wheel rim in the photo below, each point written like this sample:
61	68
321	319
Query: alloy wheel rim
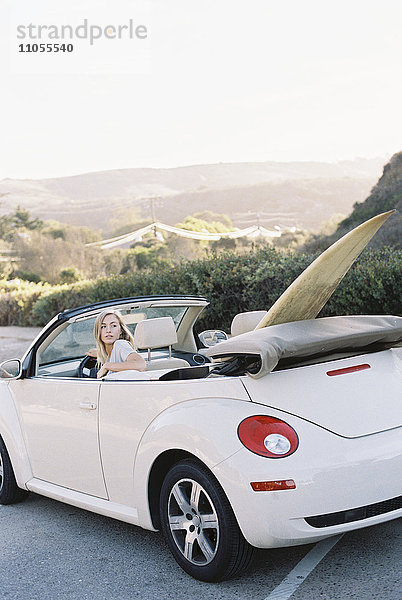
193	522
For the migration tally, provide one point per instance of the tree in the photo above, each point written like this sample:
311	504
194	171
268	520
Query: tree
21	219
195	223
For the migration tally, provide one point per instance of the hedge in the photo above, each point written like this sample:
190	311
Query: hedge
233	283
17	298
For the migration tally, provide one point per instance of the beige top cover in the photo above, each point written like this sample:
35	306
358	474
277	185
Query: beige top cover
309	338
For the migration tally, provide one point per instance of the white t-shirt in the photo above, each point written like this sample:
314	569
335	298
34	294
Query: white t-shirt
121	350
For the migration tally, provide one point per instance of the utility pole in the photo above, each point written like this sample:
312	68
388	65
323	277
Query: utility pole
153	215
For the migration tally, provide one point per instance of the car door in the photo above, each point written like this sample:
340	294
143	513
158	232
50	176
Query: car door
59	418
59	411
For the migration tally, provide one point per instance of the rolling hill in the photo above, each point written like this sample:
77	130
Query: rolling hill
303	194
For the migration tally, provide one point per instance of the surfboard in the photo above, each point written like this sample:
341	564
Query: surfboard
306	296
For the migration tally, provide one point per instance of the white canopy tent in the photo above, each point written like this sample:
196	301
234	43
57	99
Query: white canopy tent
135	236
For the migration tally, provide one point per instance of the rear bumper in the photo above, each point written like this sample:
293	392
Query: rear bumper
360	513
332	475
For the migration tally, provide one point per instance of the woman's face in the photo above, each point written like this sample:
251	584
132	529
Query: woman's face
110	330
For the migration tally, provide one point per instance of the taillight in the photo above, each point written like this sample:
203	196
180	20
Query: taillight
352	369
268	436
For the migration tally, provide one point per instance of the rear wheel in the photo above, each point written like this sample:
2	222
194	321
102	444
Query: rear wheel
200	526
9	491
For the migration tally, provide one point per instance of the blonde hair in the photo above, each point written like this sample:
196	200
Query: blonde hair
125	334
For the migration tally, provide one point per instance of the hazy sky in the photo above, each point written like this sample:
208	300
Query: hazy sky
214	81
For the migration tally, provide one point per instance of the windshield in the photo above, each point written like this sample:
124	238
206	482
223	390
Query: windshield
78	337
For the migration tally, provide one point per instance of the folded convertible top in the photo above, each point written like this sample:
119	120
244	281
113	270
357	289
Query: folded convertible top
302	339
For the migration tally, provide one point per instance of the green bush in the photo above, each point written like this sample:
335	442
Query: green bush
232	283
26	276
373	286
17	298
70	275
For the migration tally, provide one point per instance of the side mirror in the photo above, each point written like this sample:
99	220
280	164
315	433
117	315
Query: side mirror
211	337
11	369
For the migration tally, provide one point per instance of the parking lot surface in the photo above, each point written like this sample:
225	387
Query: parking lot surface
50	550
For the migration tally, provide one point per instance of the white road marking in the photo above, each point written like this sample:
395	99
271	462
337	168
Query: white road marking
303	569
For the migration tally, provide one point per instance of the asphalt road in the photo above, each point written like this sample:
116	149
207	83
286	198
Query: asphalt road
49	550
15	340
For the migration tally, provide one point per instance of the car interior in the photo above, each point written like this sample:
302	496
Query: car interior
156	337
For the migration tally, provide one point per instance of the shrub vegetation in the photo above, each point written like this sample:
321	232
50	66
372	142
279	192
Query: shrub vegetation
231	282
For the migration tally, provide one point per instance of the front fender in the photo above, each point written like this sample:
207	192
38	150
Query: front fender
11	432
205	428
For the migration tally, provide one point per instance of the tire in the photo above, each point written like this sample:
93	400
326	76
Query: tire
9	491
199	525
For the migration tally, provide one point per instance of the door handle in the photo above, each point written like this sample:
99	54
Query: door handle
88	405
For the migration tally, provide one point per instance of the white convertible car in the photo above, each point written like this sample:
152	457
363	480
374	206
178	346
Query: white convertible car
273	437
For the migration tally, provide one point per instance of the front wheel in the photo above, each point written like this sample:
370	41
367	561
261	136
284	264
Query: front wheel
199	524
9	491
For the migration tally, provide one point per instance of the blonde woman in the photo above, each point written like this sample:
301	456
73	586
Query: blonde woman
114	345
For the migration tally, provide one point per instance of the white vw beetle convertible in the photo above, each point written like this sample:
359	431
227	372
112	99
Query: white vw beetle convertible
276	436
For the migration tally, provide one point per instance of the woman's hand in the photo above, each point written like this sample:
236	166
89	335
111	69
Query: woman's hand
102	371
92	352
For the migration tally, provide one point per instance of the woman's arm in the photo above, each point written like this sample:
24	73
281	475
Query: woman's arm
134	361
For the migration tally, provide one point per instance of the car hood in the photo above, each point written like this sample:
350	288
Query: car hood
364	399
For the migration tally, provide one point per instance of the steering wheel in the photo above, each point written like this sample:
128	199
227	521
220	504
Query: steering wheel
87	367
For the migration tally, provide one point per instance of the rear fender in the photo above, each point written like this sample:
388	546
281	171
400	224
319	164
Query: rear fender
204	428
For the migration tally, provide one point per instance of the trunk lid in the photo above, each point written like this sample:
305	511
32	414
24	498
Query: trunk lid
350	403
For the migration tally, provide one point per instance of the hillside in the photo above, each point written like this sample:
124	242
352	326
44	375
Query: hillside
298	193
385	195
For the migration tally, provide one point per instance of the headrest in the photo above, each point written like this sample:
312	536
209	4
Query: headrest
247	321
155	333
